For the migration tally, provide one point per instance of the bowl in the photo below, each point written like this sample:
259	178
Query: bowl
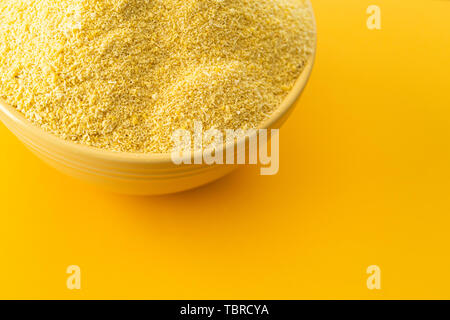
132	173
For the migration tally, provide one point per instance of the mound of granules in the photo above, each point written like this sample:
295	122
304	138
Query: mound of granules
123	75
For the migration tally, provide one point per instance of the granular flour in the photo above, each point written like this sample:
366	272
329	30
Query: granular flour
124	74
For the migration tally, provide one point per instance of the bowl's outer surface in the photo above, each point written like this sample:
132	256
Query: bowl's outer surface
140	174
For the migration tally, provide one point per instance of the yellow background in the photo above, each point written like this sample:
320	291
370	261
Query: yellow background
364	179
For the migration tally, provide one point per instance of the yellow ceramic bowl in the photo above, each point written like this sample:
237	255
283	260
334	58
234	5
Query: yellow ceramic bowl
141	174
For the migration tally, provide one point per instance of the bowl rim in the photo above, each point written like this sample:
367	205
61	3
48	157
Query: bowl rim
32	129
